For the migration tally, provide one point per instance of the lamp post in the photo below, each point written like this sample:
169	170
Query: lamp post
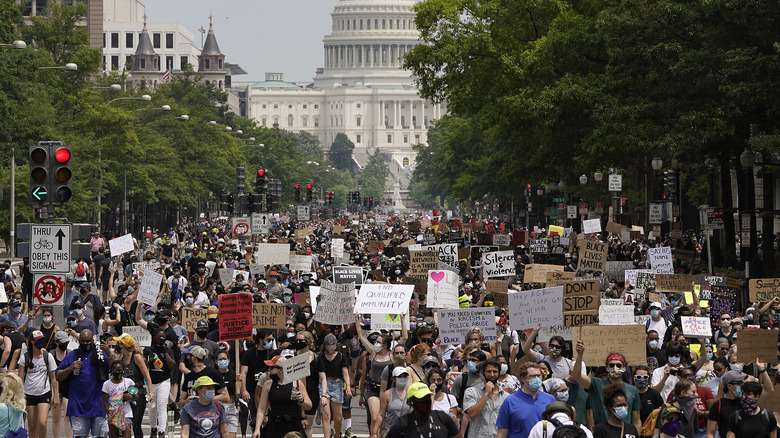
113	87
598	176
18	44
562	188
162	108
748	159
144	97
540	210
71	66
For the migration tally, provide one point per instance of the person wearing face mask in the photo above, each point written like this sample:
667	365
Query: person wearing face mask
557	388
36	369
423	421
85	369
551	353
281	403
649	398
304	344
15	316
253	364
189	393
273	288
391	404
229	379
48	328
379	359
721	410
617	406
160	361
659	321
751	420
200	339
177	283
205	417
522	410
76	322
684	402
656	356
117	397
616	366
483	402
59	349
665	377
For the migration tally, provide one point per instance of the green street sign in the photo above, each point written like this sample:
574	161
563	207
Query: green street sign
557	200
39	193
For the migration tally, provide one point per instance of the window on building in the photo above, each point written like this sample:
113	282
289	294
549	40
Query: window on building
156	40
264	121
347	24
376	23
104	42
368	24
390	23
406	138
183	61
387	121
403	121
276	120
316	106
305	106
358	105
305	121
404	24
115	62
357	121
220	64
384	26
104	61
143	63
207	64
389	138
357	138
416	138
354	22
263	106
361	24
405	161
425	121
168	40
414	120
316	122
114	40
128	62
397	23
129	37
276	106
403	106
289	120
384	55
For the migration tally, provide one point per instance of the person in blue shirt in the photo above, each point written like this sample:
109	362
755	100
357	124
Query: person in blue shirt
15	316
86	368
523	409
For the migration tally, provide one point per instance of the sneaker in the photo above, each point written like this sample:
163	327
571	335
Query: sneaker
154	433
332	434
348	433
160	434
318	418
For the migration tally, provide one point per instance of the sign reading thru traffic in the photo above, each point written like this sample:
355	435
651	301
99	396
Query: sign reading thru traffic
50	248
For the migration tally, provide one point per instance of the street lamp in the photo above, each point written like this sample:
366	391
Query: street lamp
183	117
71	66
114	87
583	179
657	164
162	108
598	176
145	98
18	44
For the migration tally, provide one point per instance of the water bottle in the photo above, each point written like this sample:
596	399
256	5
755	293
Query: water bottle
292	393
77	371
151	404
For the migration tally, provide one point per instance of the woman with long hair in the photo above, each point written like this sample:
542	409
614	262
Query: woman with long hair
283	402
380	358
13	403
36	369
135	368
333	369
416	356
304	344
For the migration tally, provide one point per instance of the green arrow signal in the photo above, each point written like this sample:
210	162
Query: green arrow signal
38	193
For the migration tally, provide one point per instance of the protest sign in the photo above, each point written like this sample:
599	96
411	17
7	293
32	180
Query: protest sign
556	278
616	315
314	292
602	341
591	226
529	308
384	298
645	280
757	343
298	263
226	276
337	303
295	368
273	254
593	256
235	316
190	316
546	333
140	335
337	248
442	290
764	289
150	287
580	302
477	251
269	315
538	246
380	321
537	272
420	262
630	276
614	228
121	245
498	264
673	283
661	259
617	270
347	274
448	252
254	269
693	326
453	324
502	239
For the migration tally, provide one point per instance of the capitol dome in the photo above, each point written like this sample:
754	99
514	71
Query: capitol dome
367	41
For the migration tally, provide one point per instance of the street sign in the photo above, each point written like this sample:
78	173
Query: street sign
303	212
656	213
615	183
49	290
50	248
240	226
261	223
571	212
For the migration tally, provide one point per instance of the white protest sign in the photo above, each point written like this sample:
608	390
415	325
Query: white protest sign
529	308
387	322
453	324
630	275
150	287
546	333
641	319
498	264
591	226
442	290
336	303
337	248
141	335
661	260
211	266
693	326
237	272
226	276
448	252
3	296
121	245
300	263
502	239
616	315
538	246
314	292
384	298
256	269
273	254
295	368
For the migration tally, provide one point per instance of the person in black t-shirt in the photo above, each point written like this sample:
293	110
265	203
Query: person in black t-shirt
198	369
751	420
721	410
423	420
649	398
160	361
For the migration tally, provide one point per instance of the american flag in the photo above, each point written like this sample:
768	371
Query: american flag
167	75
202	30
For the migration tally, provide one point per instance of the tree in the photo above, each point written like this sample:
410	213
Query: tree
374	177
341	151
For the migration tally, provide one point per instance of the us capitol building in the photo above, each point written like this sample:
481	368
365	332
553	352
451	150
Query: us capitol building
362	90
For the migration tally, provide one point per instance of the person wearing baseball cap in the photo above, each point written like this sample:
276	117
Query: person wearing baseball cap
15	316
41	385
198	369
423	420
206	418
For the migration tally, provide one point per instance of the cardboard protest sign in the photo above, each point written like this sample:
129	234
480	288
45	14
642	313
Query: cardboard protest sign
347	274
235	316
295	368
502	240
384	298
273	254
602	341
498	264
380	321
617	270
591	226
557	278
673	283
645	280
420	262
121	245
442	290
336	303
764	289
537	272
529	308
616	315
140	335
614	228
269	315
580	295
546	333
630	275
757	343
593	256
150	287
453	324
298	263
448	252
190	316
693	326
661	260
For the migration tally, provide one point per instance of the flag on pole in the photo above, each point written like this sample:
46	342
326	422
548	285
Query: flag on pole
167	75
202	30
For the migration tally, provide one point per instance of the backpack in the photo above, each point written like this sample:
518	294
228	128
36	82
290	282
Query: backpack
564	431
404	421
28	362
648	426
81	270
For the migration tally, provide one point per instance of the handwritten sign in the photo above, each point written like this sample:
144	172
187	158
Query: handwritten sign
420	262
591	226
337	247
661	260
537	272
384	298
141	336
645	280
757	343
273	254
295	368
601	341
337	303
235	316
673	283
764	289
442	290
348	274
498	264
387	322
693	326
546	333
558	278
502	239
299	263
529	308
269	315
616	315
453	324
254	270
538	246
593	256
150	287
630	275
617	270
580	297
121	245
190	316
448	252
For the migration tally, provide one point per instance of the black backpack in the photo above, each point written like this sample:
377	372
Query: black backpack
404	420
564	431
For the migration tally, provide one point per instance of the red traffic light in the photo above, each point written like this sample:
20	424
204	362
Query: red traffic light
308	186
297	186
62	155
260	172
330	193
528	186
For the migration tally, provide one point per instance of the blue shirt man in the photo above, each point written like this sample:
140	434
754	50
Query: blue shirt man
523	409
15	316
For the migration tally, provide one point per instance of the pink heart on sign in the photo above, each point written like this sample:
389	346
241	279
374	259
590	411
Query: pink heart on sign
437	276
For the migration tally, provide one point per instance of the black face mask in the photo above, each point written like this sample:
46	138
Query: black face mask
202	333
212	320
299	345
63	347
422	407
117	374
86	348
275	377
160	321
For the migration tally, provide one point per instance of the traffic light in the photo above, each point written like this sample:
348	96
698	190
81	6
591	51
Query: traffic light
309	194
240	178
623	205
62	172
39	173
370	203
670	183
297	193
250	202
260	181
528	190
330	198
501	207
51	172
230	203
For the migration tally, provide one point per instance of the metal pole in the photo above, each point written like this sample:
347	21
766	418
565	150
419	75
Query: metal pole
100	188
124	205
13	202
709	246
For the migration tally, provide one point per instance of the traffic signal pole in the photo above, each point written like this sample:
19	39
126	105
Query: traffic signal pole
12	250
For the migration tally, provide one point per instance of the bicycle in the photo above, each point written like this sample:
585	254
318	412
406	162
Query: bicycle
43	244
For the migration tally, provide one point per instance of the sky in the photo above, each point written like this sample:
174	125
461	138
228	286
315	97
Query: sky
259	35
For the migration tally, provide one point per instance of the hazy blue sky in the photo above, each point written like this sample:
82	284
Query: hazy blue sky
259	35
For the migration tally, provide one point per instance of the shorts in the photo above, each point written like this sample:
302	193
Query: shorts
231	417
83	425
335	391
38	399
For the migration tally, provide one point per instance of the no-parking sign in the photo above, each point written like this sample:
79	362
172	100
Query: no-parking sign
49	290
241	226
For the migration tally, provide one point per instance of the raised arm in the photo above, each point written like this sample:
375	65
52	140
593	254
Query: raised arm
362	337
577	373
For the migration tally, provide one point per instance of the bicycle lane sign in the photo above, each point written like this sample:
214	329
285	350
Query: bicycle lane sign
50	248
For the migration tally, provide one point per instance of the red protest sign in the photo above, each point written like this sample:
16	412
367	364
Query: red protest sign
235	316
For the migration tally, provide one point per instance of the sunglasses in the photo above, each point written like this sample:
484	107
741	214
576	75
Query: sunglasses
615	365
641	378
555	347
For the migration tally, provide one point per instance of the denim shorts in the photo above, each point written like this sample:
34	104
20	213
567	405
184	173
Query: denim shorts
335	391
83	425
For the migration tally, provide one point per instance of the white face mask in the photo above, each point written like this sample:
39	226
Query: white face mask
401	382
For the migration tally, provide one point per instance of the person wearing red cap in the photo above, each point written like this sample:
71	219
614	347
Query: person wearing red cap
36	369
284	402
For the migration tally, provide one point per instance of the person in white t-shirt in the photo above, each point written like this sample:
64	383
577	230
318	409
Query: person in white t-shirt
117	394
36	369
